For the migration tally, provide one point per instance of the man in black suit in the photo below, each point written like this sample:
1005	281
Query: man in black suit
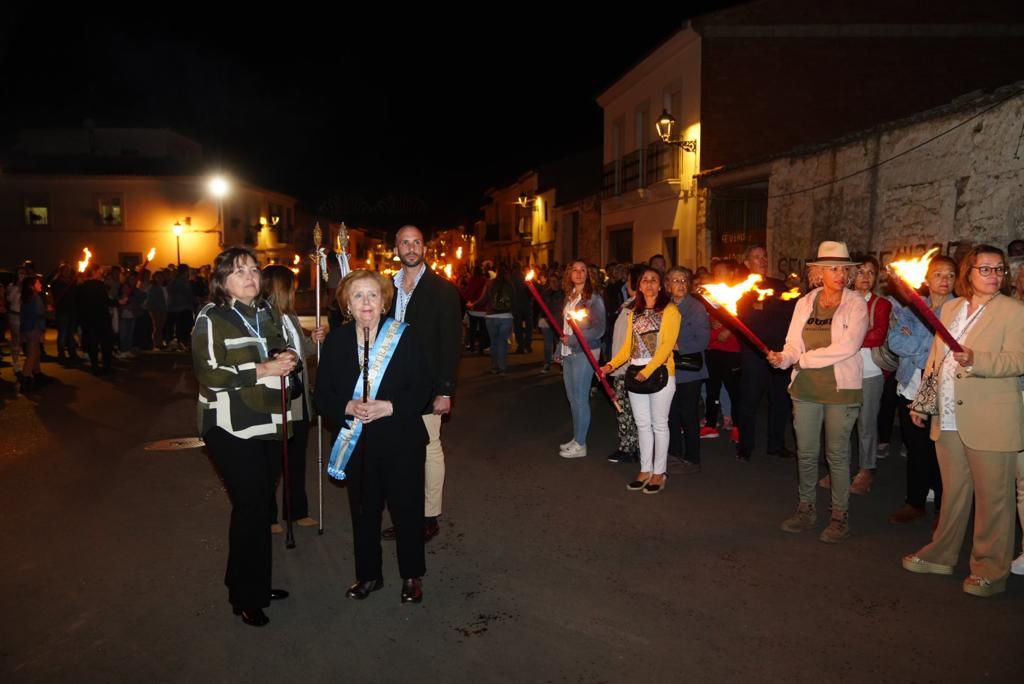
769	320
430	304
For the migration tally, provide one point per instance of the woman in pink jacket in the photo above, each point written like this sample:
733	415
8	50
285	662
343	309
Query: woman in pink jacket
823	348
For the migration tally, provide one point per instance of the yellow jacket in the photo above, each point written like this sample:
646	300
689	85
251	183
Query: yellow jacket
667	335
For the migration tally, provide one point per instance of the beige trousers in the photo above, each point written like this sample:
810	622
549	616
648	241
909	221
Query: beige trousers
985	478
434	471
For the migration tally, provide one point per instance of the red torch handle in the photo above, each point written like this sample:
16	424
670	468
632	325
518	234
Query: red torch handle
593	362
925	312
726	316
544	307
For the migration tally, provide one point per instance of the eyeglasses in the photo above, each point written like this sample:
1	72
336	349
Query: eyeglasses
677	281
989	270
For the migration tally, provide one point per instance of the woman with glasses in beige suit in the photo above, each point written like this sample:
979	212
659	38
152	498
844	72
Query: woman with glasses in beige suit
979	424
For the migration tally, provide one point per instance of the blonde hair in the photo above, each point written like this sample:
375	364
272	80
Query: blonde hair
387	290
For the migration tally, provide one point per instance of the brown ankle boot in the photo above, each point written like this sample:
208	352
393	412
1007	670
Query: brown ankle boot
838	528
805	518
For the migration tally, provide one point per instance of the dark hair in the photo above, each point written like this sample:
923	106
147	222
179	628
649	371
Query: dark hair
223	266
635	272
277	287
27	293
750	249
963	279
1015	248
660	302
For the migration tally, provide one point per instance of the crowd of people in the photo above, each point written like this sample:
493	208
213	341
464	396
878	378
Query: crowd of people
109	312
844	359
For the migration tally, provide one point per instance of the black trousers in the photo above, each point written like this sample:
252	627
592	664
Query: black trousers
922	465
183	321
760	378
249	468
296	474
683	418
97	336
396	478
723	368
887	409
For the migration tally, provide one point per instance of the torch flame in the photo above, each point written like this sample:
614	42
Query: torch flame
913	271
84	264
151	254
529	276
458	253
578	315
792	294
727	295
448	271
297	260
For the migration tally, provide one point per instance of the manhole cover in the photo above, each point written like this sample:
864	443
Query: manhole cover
175	444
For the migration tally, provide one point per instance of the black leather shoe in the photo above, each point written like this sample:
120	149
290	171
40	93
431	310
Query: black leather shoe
361	590
388	534
278	594
742	454
781	453
430	530
254	617
412	590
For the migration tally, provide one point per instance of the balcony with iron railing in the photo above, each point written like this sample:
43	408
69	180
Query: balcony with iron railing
641	168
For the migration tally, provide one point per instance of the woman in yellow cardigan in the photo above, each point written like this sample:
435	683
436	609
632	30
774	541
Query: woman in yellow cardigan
653	325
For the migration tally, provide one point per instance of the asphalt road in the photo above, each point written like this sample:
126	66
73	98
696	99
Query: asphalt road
546	570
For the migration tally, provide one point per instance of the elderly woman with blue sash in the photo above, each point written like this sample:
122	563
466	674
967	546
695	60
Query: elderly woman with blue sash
371	383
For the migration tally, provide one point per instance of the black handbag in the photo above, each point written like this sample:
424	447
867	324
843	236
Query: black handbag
655	383
693	361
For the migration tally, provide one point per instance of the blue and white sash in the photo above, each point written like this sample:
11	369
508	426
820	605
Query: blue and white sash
380	354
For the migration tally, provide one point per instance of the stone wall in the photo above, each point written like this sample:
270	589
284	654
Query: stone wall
954	176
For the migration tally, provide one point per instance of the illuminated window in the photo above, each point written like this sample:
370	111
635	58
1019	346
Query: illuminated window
110	209
37	211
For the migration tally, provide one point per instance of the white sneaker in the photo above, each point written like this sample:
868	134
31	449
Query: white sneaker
567	445
1017	566
577	451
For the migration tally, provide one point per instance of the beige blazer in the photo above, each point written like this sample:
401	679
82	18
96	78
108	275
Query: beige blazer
989	407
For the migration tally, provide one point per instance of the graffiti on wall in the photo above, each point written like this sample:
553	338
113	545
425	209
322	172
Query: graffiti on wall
787	264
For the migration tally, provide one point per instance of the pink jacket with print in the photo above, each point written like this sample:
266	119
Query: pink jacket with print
849	326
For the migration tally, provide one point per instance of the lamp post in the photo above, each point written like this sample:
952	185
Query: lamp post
178	230
219	187
665	124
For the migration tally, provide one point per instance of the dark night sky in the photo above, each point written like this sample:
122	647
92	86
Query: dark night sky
399	106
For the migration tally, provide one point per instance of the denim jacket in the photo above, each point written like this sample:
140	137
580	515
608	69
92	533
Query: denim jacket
913	348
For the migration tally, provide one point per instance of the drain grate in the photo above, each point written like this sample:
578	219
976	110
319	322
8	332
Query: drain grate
175	444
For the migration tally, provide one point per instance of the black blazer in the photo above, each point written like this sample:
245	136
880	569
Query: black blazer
435	313
404	385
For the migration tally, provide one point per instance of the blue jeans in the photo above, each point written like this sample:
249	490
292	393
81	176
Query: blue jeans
126	329
576	374
499	329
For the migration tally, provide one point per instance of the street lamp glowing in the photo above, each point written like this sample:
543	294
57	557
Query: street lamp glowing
218	187
178	230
